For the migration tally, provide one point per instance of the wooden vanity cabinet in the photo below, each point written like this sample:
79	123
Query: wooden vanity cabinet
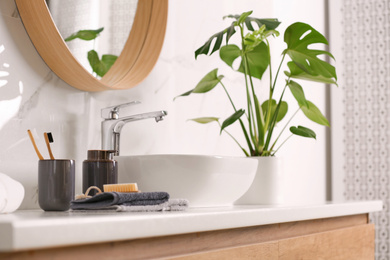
347	237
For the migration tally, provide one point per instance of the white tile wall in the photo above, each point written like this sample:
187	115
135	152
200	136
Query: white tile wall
32	97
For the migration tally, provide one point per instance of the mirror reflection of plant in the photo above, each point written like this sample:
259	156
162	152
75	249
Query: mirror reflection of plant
255	60
99	66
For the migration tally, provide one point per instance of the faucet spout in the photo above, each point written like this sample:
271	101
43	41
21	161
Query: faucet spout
158	116
112	127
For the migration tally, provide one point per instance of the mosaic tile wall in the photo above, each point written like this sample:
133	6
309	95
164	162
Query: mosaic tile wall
366	51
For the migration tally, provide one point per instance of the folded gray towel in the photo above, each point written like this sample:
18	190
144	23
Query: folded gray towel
106	199
170	205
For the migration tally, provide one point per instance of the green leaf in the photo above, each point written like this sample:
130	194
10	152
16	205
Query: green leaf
230	31
233	118
206	84
260	121
243	17
100	67
303	131
95	63
245	152
258	58
108	60
229	54
297	92
205	120
299	36
204	49
86	35
314	114
258	61
254	38
184	94
297	73
248	25
270	23
282	110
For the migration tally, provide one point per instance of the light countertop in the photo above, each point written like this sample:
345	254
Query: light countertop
33	229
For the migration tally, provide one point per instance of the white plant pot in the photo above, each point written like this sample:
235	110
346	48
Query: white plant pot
268	186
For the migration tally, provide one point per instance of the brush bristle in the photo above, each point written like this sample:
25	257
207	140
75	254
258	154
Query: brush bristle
123	187
50	137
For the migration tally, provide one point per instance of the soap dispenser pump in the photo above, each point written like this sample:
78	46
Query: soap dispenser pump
100	168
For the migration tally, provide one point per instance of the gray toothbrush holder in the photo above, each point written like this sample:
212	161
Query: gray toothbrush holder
56	184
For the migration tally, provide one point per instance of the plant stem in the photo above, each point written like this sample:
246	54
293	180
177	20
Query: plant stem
284	128
249	100
227	93
253	96
282	144
252	118
274	118
246	137
241	123
258	119
270	67
272	88
235	140
277	73
271	92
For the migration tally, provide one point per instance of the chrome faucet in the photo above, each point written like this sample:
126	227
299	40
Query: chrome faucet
112	124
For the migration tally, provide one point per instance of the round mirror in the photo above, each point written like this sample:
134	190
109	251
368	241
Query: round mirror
139	54
95	31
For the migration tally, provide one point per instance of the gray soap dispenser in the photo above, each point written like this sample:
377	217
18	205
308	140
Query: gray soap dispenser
100	168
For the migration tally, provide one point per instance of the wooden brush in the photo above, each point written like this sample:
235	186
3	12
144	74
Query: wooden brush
48	140
35	146
123	187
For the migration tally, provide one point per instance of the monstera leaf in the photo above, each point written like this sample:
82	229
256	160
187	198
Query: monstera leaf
297	73
258	58
299	36
270	24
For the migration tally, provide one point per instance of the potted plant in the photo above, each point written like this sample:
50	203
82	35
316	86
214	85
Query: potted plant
258	120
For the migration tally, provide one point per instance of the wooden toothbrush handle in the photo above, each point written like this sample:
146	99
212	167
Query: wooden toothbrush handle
35	146
48	146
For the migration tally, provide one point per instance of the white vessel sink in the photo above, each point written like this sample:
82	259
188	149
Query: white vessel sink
206	181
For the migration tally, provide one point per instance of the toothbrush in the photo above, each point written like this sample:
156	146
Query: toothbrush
35	146
48	140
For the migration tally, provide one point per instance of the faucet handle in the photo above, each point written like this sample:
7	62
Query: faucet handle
113	111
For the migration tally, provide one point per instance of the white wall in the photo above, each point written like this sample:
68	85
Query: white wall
32	97
306	164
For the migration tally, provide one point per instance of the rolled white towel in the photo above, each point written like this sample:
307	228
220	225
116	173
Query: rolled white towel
11	194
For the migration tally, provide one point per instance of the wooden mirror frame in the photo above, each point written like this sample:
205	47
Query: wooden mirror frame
135	62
